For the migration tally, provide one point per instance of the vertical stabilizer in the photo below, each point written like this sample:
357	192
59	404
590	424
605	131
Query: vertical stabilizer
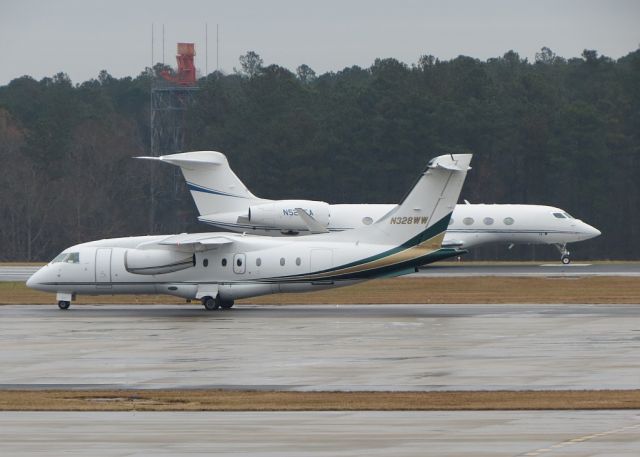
425	211
215	188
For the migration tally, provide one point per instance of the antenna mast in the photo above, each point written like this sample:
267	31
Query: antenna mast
206	49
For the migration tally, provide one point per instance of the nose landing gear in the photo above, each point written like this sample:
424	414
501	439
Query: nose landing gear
564	254
65	299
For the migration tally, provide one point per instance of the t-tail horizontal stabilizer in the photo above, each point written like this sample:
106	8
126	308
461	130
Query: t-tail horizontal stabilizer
215	188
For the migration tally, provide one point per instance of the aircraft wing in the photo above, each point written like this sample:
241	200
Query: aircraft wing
190	242
312	224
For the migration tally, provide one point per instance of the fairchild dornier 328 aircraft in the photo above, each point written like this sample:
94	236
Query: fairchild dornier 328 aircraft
225	202
221	267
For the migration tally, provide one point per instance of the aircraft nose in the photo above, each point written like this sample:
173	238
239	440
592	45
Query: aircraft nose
590	232
35	279
32	280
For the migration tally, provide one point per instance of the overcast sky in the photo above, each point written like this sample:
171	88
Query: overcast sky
82	37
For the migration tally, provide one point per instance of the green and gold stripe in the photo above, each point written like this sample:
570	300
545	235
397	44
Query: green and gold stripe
426	247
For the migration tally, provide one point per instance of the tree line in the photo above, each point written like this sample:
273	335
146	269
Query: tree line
563	132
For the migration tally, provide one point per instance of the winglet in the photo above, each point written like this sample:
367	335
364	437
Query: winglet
312	224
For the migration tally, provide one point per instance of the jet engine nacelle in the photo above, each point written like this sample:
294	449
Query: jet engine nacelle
156	261
282	214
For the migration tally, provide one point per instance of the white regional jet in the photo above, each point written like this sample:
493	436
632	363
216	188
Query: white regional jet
221	267
225	202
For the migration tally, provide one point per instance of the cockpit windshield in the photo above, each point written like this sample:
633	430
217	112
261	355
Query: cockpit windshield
569	216
67	257
559	215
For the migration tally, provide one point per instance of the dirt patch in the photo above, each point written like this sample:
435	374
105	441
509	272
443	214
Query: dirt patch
499	290
225	400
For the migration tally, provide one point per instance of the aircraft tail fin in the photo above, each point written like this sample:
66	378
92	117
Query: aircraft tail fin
424	213
215	188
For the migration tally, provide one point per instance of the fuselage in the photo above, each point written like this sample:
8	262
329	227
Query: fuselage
471	225
246	267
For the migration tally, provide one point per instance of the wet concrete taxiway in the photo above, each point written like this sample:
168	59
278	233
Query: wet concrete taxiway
381	347
401	434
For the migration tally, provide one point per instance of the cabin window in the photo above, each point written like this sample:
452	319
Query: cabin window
282	261
258	262
224	262
239	262
467	221
488	221
508	221
559	215
298	261
205	263
367	220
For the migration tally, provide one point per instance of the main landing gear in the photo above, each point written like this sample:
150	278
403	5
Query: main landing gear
64	304
564	254
211	303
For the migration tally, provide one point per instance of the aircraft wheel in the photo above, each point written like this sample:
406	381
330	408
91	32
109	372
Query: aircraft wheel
209	303
227	304
565	259
62	304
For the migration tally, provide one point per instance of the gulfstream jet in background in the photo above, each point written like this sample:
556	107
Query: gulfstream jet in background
221	267
225	202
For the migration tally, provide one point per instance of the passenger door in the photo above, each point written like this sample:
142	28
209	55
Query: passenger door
103	267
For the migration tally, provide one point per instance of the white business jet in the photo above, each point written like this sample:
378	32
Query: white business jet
225	202
221	267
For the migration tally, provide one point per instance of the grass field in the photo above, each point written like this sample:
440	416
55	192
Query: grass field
499	290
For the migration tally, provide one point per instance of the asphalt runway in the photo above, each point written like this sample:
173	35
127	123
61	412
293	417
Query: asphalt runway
342	434
22	273
303	348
